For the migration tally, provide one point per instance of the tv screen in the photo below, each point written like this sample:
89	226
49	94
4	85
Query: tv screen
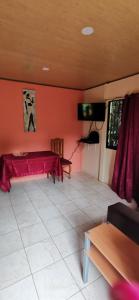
91	111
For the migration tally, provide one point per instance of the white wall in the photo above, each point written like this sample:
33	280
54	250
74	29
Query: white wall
91	155
91	158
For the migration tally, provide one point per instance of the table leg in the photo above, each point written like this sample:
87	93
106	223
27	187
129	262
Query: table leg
86	260
54	178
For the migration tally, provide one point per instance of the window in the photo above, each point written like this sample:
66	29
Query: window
114	122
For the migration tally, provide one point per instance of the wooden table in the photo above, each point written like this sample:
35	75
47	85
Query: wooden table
33	163
113	253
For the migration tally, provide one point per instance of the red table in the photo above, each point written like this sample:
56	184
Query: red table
31	164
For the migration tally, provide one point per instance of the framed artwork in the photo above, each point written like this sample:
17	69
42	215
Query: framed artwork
113	123
29	98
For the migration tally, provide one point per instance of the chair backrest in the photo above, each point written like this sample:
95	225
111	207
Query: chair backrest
57	146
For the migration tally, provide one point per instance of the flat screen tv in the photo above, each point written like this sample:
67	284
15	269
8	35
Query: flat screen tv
91	111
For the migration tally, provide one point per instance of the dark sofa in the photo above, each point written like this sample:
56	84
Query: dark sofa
126	219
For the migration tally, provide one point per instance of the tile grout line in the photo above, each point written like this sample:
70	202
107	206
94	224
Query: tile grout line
1	235
80	289
48	231
10	285
62	258
75	295
66	217
51	219
87	284
25	253
49	234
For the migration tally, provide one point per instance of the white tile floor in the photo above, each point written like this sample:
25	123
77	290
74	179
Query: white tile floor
41	238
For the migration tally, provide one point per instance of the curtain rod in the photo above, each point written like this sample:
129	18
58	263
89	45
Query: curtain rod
114	98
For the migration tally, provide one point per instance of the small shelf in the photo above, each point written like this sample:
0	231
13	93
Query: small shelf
87	141
106	269
114	250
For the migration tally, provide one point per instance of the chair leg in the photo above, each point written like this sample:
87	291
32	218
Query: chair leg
52	175
54	178
62	175
69	171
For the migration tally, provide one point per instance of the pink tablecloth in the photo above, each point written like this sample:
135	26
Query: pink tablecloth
31	164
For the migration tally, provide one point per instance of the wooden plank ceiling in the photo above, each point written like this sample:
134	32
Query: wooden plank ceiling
36	33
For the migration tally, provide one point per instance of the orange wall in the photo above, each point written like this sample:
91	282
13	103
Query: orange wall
55	116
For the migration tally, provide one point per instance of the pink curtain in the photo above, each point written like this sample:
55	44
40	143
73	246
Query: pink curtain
125	180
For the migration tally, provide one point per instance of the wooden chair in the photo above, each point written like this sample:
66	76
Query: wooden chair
57	146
